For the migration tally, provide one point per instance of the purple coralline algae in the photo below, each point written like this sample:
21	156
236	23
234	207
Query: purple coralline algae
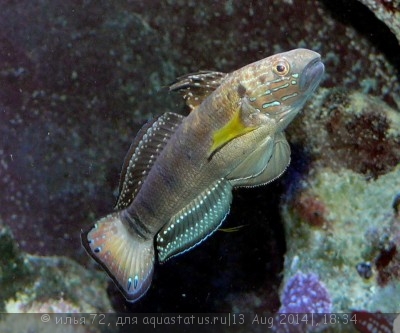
305	293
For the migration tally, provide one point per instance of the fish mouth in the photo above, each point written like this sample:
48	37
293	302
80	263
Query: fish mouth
311	76
309	81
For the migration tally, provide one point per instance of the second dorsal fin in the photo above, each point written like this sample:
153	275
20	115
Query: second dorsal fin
144	150
195	87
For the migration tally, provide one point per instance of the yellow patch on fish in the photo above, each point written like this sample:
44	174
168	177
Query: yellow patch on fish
233	129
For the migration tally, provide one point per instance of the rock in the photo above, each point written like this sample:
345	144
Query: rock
388	11
351	130
47	284
359	226
339	212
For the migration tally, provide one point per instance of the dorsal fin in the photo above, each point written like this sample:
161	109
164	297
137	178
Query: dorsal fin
194	223
144	150
195	87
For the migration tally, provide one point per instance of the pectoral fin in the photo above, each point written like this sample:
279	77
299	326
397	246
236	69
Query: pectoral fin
254	164
275	166
196	221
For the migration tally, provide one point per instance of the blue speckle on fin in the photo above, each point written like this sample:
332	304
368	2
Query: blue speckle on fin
135	281
97	250
129	284
142	155
197	221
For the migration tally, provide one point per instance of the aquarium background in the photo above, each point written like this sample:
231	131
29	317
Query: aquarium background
79	78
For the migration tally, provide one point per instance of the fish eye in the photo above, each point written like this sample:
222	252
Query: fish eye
281	67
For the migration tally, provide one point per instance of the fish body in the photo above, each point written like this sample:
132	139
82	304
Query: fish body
177	179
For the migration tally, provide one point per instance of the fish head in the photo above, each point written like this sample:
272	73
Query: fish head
278	86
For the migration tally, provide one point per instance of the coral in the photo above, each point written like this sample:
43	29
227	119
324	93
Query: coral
305	293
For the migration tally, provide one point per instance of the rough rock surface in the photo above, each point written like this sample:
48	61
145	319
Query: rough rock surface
339	216
33	284
388	11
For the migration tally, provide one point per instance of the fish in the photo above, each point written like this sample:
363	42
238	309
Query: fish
177	178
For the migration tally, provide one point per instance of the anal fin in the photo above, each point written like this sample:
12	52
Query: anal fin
198	220
129	260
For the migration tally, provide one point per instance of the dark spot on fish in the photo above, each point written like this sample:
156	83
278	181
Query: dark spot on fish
97	250
364	269
241	90
262	79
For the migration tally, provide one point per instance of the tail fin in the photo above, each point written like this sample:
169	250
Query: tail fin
128	260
